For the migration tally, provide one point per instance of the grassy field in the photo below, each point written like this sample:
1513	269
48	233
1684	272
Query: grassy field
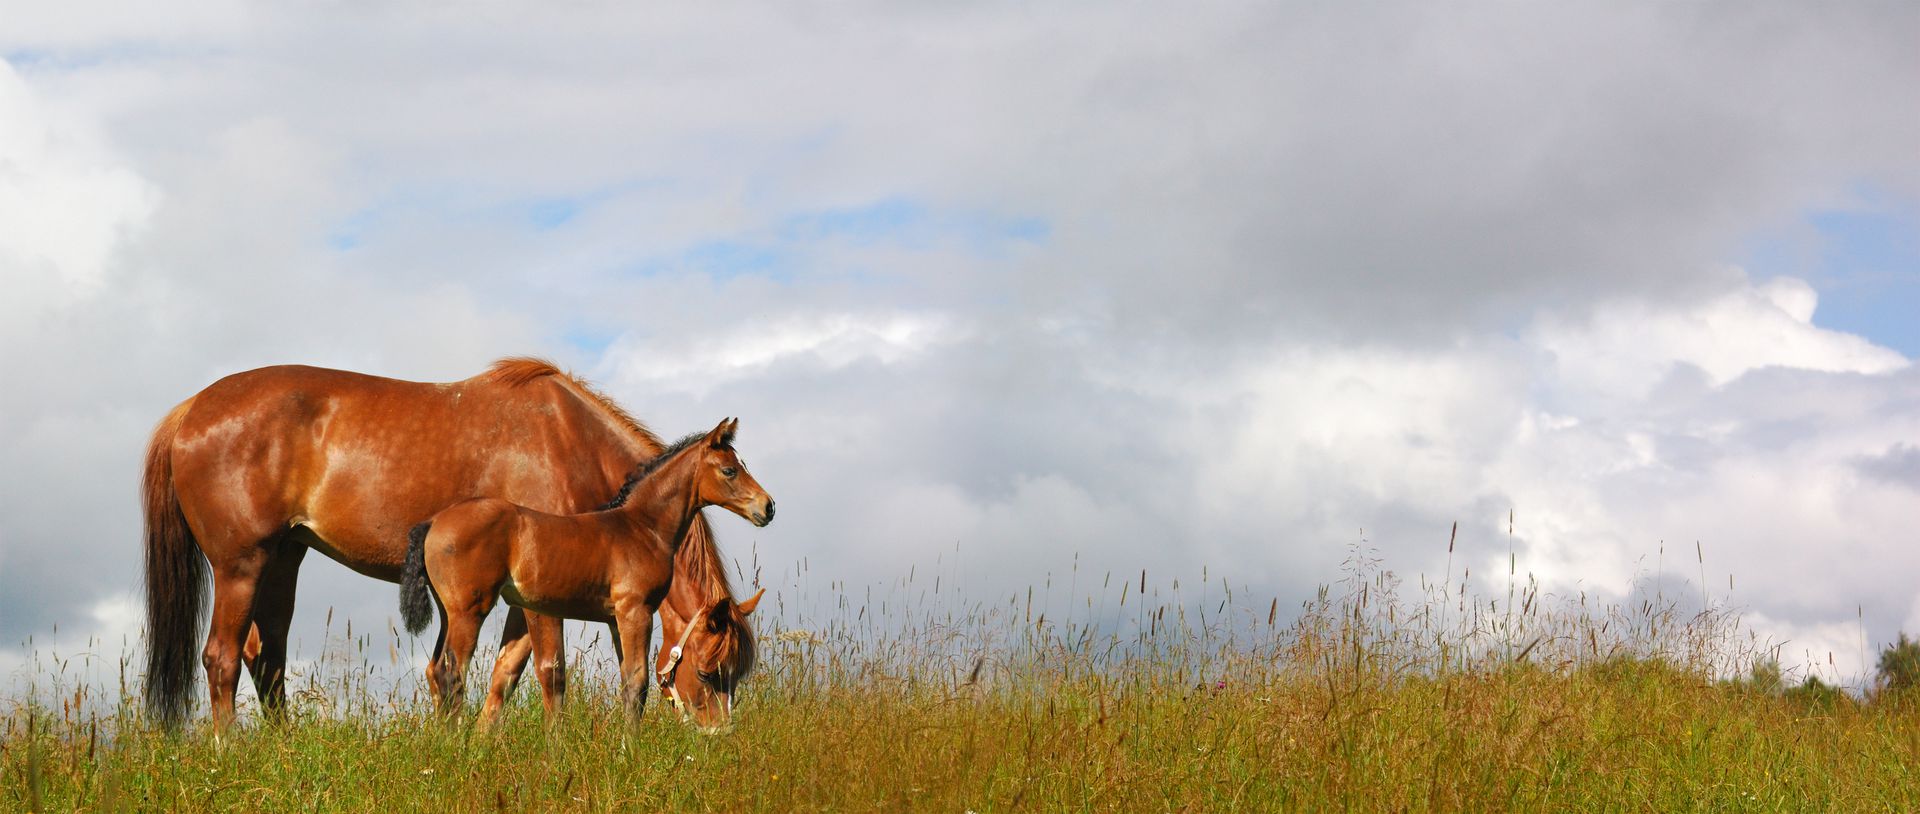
1357	701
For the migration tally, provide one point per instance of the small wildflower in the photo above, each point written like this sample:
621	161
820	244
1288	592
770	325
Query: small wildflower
426	772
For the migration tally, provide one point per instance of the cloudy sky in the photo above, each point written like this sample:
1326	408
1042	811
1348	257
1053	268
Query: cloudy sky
1156	285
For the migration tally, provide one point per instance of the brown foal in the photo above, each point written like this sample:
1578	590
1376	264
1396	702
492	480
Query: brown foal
615	565
247	475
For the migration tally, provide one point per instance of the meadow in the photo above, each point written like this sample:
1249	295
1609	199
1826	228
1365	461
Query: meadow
1374	696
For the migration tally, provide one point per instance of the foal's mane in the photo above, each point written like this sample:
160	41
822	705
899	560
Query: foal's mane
647	468
699	558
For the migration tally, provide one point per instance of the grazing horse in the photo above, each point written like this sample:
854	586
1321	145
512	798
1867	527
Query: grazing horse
245	476
613	565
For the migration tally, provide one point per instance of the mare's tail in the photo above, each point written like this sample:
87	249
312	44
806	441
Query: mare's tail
176	582
416	600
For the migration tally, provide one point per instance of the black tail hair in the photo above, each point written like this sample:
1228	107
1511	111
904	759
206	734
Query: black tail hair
176	583
416	600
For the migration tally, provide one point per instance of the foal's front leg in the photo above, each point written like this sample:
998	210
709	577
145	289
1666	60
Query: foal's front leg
636	628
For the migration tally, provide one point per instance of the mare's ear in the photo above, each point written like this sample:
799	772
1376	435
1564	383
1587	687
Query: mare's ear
718	615
748	606
721	435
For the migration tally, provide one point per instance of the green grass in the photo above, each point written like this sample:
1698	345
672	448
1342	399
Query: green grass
1363	703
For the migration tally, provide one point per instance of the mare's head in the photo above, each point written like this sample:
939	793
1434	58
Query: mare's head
717	655
724	481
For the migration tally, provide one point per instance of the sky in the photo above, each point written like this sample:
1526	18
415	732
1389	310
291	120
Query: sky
1019	289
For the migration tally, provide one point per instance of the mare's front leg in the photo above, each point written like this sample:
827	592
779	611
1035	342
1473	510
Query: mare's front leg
636	628
515	646
548	634
265	654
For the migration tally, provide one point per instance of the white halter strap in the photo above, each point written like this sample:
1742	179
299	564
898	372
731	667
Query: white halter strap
673	657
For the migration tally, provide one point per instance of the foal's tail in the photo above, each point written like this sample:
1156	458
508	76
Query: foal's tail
416	601
176	581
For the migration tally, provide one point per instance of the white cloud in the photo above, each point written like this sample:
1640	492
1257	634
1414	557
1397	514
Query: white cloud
1621	350
711	352
1277	274
68	202
86	651
1835	652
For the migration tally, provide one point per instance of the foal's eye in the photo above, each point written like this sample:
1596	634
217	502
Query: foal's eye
729	471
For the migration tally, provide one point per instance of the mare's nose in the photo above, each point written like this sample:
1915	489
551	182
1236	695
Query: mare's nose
769	510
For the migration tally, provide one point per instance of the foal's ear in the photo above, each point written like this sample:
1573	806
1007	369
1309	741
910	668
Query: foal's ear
722	434
748	606
718	616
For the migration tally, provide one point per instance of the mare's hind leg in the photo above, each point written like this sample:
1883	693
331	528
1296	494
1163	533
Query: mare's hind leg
272	614
515	647
234	583
549	659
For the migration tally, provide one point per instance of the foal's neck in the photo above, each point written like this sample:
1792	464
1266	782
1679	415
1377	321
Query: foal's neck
667	500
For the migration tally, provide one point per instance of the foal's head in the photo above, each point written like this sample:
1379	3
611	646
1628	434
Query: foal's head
724	481
717	656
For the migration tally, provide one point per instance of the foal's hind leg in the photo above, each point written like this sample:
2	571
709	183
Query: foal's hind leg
460	633
272	613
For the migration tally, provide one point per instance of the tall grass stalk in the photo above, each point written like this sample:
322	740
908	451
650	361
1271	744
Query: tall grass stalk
1374	697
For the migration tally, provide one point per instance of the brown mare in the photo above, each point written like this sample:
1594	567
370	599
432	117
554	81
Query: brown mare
245	476
614	565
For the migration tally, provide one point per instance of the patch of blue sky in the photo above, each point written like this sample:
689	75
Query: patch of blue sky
591	341
727	259
462	205
551	213
992	236
31	60
1863	260
349	233
903	221
892	219
786	250
27	57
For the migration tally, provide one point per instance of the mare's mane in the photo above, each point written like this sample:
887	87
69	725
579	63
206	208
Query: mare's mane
699	558
515	371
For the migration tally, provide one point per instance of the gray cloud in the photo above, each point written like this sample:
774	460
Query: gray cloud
1900	464
1214	284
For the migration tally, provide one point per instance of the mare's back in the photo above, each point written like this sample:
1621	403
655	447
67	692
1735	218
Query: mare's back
358	459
